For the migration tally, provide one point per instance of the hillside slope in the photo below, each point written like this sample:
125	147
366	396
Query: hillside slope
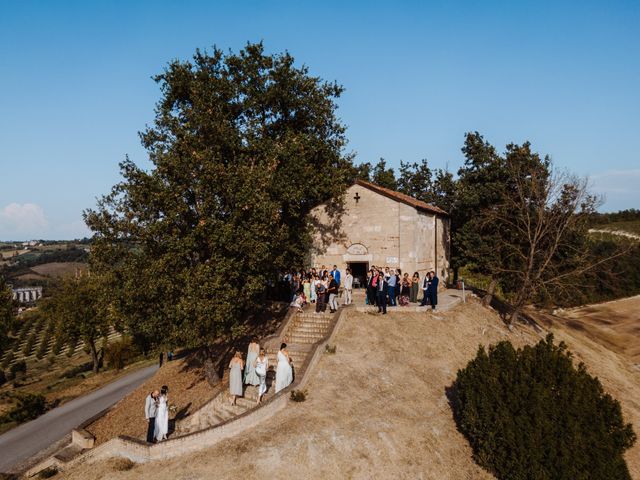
378	407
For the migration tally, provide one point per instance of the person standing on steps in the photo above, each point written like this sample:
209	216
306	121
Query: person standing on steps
333	294
284	372
261	365
336	275
235	377
150	409
381	293
433	291
250	376
321	306
348	287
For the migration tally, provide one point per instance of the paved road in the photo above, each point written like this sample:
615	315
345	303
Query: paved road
29	438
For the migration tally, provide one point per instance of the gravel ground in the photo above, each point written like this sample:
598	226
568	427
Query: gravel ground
377	408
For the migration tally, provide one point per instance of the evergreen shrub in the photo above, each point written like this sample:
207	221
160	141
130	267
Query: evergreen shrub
29	406
531	414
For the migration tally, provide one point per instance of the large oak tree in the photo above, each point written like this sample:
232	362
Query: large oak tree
243	147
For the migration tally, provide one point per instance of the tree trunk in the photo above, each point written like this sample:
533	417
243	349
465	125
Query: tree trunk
486	300
94	356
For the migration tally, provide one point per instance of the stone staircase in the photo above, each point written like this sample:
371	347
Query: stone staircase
303	330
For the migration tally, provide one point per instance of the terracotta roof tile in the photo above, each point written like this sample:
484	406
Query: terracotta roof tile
401	197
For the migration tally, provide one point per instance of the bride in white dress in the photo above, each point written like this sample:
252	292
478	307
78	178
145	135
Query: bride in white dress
162	415
284	373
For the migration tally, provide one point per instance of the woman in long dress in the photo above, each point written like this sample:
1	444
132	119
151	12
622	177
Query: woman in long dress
162	415
250	377
284	372
415	287
261	367
235	377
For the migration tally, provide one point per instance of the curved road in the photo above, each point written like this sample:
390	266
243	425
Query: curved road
29	438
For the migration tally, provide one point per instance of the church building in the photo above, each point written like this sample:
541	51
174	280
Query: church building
385	228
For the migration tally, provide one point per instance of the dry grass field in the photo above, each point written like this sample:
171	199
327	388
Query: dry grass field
58	269
615	325
377	408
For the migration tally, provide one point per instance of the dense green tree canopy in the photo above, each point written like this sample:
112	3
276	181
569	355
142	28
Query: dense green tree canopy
531	414
6	313
243	147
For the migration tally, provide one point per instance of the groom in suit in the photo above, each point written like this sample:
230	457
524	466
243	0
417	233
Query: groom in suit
150	408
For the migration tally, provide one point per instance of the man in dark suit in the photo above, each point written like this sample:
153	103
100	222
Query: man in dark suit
381	293
433	291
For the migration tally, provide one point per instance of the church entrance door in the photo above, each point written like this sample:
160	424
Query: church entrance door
359	272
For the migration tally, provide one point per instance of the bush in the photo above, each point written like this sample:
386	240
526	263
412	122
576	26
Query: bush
57	345
77	370
8	358
3	378
119	353
18	367
29	406
43	347
529	413
48	472
298	395
330	349
28	347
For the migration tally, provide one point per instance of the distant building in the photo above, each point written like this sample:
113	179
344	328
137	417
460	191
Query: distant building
27	294
385	228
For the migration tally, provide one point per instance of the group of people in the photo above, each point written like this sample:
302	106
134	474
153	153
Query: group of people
156	412
389	287
321	287
255	371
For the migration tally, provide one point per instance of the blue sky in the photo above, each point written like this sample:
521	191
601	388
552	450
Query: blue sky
75	86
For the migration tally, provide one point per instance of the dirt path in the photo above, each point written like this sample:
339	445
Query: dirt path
377	408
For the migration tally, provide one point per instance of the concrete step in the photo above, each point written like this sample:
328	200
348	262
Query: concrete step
303	334
306	340
309	328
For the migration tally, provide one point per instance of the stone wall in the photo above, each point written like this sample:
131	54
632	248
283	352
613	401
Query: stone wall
381	231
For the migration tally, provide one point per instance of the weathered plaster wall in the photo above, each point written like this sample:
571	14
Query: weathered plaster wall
385	233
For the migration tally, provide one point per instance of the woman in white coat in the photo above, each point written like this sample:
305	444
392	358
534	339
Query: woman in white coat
284	372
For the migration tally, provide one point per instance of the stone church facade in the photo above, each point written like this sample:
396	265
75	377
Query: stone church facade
385	228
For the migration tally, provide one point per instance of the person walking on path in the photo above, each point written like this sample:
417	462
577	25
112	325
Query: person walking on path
381	292
415	287
262	366
348	287
150	409
235	377
250	376
284	372
433	291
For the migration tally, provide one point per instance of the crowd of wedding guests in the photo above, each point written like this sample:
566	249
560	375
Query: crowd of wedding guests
387	286
320	286
384	287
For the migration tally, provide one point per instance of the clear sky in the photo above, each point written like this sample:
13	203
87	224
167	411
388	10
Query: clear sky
75	85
